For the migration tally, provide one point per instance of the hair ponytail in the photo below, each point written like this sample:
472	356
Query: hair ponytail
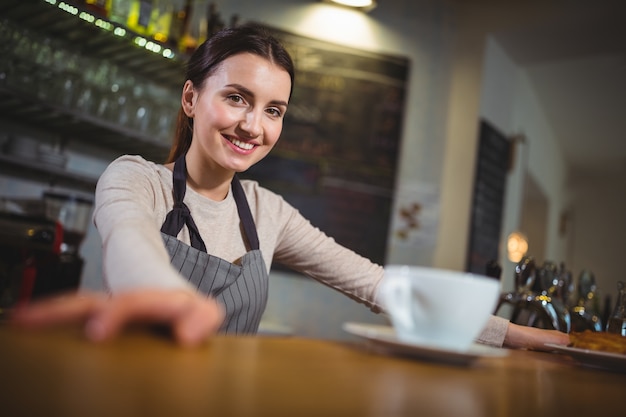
182	136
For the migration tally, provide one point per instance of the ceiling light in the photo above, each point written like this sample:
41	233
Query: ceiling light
517	246
365	5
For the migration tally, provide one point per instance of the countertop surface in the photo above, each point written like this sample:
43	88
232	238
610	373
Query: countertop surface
56	372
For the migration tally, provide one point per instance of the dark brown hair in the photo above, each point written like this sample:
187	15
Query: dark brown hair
250	38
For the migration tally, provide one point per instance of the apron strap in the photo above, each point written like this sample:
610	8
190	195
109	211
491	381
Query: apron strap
244	214
180	214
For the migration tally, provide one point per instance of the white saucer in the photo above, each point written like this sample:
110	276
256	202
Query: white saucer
593	358
383	339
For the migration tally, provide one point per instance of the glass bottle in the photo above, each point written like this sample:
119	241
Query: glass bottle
120	11
617	321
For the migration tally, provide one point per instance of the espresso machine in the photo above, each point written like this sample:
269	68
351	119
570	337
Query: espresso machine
29	255
39	246
73	213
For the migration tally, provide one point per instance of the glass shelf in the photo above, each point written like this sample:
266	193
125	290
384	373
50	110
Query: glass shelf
20	102
74	125
90	40
33	169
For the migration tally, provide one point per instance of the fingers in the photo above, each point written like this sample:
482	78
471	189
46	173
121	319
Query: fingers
540	337
65	308
192	317
143	306
525	337
558	338
200	322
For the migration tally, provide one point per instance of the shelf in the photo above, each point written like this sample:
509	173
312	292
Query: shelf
19	104
36	170
89	40
74	125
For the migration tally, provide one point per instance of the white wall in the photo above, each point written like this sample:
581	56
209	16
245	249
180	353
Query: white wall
461	138
508	101
545	163
598	245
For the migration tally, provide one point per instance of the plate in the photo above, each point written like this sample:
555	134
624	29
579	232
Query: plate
593	358
383	339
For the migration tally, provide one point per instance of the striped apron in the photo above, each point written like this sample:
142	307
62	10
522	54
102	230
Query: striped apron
241	289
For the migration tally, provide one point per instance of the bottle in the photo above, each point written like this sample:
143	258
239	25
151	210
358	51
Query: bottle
188	42
179	25
214	21
98	7
140	15
617	321
120	11
160	21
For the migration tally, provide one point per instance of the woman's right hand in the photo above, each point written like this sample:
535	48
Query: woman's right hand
192	318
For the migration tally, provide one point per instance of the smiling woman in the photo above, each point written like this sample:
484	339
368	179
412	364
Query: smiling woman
232	107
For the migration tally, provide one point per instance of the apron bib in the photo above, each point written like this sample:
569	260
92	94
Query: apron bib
241	289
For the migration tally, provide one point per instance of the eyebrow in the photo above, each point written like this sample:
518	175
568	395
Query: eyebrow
249	92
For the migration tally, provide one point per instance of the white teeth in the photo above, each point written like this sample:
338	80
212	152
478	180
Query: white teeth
242	145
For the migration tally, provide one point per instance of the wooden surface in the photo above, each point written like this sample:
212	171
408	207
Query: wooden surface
57	373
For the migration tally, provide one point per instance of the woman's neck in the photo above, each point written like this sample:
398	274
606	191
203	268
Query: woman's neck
208	179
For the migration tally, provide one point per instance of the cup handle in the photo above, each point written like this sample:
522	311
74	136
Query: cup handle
395	295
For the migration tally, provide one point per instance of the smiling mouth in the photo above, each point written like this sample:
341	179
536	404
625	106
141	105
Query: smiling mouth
243	145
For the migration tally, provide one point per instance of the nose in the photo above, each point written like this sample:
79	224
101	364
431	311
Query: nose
252	124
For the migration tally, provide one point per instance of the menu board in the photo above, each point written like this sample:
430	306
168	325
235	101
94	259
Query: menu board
337	156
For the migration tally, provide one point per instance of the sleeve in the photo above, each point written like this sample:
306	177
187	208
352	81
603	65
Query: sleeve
306	249
133	255
494	332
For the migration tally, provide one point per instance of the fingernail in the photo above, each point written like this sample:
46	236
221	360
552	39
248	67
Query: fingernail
189	336
95	330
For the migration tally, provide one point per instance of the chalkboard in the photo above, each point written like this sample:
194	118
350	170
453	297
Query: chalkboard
337	157
493	161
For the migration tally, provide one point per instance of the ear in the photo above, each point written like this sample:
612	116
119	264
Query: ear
188	99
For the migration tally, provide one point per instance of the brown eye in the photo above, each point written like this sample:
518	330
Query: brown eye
236	98
274	112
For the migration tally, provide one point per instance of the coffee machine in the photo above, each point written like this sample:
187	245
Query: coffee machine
39	246
73	213
29	253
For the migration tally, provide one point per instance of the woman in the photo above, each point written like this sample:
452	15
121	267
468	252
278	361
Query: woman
188	244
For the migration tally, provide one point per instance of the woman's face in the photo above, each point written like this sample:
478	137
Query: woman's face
238	114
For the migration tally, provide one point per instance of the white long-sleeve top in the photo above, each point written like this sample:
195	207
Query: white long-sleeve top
133	197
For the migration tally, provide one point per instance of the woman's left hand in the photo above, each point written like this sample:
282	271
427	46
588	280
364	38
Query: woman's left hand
525	337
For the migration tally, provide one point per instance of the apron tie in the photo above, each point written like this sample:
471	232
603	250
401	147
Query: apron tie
180	215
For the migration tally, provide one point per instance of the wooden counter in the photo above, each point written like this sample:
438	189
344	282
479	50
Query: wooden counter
58	373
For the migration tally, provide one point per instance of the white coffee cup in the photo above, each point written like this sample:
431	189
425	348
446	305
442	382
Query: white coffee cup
436	307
